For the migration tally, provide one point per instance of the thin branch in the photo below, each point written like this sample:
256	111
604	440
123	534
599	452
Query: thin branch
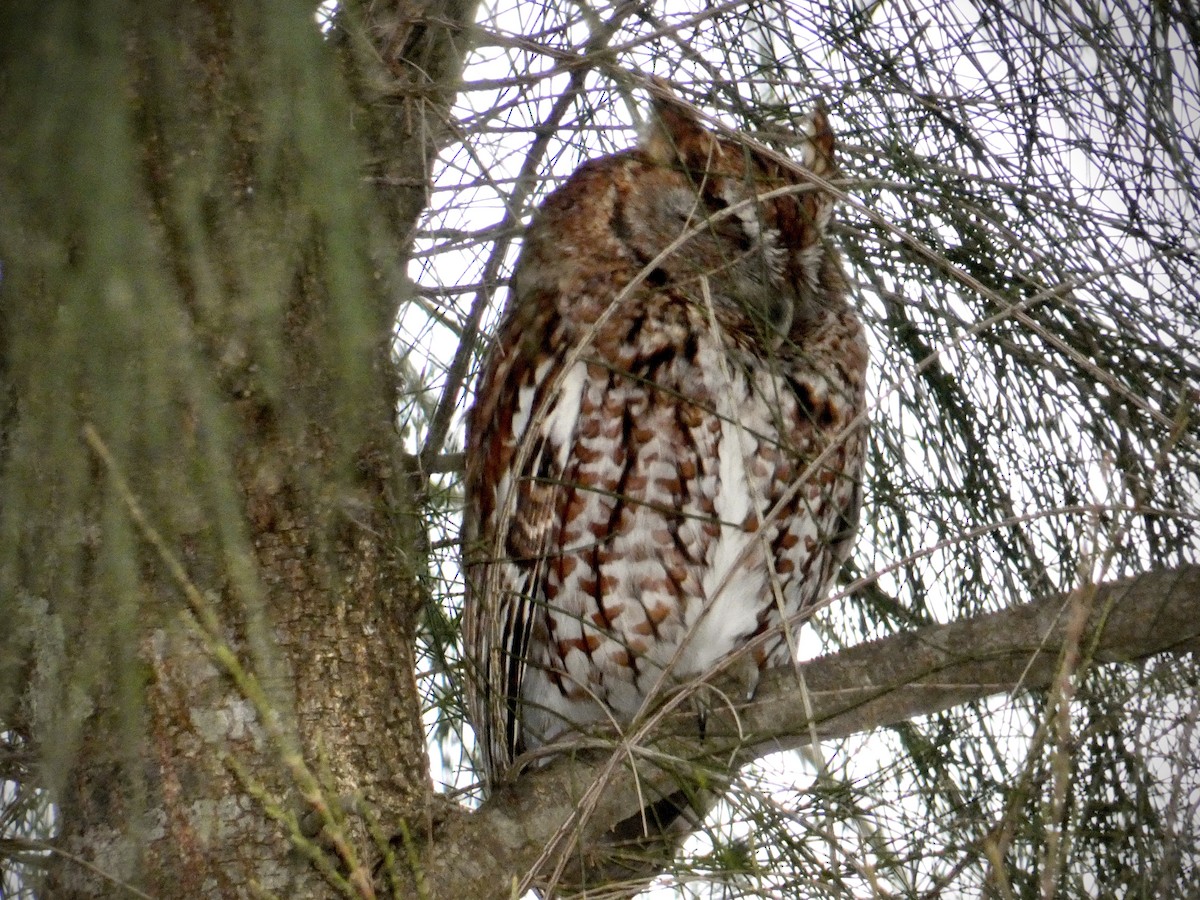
456	375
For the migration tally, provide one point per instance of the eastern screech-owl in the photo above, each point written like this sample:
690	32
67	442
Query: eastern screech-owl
664	457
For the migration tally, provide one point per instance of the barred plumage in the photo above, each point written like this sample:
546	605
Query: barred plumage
665	452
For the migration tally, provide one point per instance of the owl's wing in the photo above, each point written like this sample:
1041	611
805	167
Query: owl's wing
530	529
519	434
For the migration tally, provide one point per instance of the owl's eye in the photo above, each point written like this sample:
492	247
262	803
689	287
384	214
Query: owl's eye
657	277
681	205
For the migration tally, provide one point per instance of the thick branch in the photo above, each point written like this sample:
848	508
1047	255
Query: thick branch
872	685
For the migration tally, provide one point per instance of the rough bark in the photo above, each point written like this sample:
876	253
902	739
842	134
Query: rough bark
268	606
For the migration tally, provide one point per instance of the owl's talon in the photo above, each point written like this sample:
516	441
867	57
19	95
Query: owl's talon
700	706
747	675
752	687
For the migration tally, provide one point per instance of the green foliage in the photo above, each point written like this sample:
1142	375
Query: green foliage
188	267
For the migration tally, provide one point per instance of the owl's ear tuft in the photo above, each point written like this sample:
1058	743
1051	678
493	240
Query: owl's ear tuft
819	154
673	134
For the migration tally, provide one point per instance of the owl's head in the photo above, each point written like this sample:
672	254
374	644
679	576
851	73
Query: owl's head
760	218
675	135
698	214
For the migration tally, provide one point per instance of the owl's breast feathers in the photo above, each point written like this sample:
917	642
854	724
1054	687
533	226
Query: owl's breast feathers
653	478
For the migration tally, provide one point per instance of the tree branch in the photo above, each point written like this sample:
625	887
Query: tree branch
872	685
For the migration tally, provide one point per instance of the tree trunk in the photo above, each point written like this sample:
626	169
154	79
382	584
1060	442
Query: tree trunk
249	665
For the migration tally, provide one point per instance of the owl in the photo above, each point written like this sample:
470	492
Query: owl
664	456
